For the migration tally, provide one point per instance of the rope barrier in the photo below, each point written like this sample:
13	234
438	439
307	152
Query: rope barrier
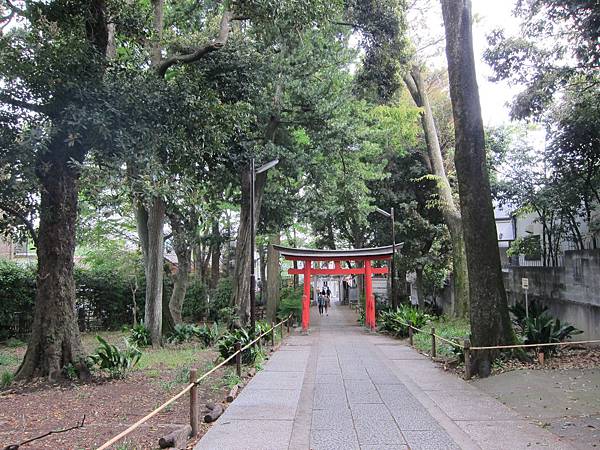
185	390
449	341
547	344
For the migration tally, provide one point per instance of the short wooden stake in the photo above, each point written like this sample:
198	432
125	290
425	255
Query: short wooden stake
281	331
272	334
410	334
433	349
194	403
238	359
541	358
467	352
287	323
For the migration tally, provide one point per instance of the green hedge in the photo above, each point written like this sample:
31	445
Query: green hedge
17	297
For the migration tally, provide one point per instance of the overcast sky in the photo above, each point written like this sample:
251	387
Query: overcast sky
492	14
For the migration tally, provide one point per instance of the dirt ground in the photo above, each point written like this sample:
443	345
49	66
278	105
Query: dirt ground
109	406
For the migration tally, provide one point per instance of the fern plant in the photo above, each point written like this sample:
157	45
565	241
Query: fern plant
115	361
227	343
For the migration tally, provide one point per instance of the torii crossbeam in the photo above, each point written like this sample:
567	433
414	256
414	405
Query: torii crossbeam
366	255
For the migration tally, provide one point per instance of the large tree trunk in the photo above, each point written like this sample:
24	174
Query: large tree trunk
490	323
55	340
273	278
183	251
416	86
241	287
150	222
215	255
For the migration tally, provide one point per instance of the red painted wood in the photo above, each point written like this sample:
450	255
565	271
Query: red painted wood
357	271
306	297
369	304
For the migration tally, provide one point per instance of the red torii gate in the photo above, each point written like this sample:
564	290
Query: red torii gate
366	255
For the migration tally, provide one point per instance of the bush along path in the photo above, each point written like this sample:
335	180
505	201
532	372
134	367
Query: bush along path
545	341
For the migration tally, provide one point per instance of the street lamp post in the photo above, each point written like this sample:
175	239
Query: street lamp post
392	264
254	172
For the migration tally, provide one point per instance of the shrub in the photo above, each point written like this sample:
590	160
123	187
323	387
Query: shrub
536	309
17	297
220	298
394	322
226	315
110	358
208	334
195	306
227	342
183	332
545	329
290	303
139	336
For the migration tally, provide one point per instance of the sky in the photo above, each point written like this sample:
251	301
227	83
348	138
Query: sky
491	14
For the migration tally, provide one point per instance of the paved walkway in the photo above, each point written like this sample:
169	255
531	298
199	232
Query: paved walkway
342	387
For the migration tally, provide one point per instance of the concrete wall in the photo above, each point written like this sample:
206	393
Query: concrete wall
572	292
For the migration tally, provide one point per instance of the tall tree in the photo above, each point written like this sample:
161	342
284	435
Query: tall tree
490	322
418	91
59	104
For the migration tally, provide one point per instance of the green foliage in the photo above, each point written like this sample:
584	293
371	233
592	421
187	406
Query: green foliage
227	343
115	361
528	246
6	379
139	336
208	335
393	322
540	327
545	329
220	309
17	297
183	332
536	309
195	306
290	303
452	329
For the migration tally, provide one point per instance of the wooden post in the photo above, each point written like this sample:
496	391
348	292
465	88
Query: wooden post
433	349
281	331
194	403
541	358
467	351
410	334
272	334
238	359
287	324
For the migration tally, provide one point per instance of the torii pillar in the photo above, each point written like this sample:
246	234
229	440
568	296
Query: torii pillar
306	296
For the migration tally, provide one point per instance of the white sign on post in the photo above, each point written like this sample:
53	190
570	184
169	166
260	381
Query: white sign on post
525	286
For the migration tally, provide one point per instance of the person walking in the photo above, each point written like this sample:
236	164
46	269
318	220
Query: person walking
327	299
320	302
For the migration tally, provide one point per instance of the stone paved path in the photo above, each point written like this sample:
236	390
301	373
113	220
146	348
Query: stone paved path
342	387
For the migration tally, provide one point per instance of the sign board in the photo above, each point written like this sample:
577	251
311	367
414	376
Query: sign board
525	283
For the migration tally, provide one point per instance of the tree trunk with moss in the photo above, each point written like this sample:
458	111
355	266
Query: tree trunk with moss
273	278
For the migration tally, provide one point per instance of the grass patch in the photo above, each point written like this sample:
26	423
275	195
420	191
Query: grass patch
454	329
170	357
15	343
6	379
230	379
7	359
